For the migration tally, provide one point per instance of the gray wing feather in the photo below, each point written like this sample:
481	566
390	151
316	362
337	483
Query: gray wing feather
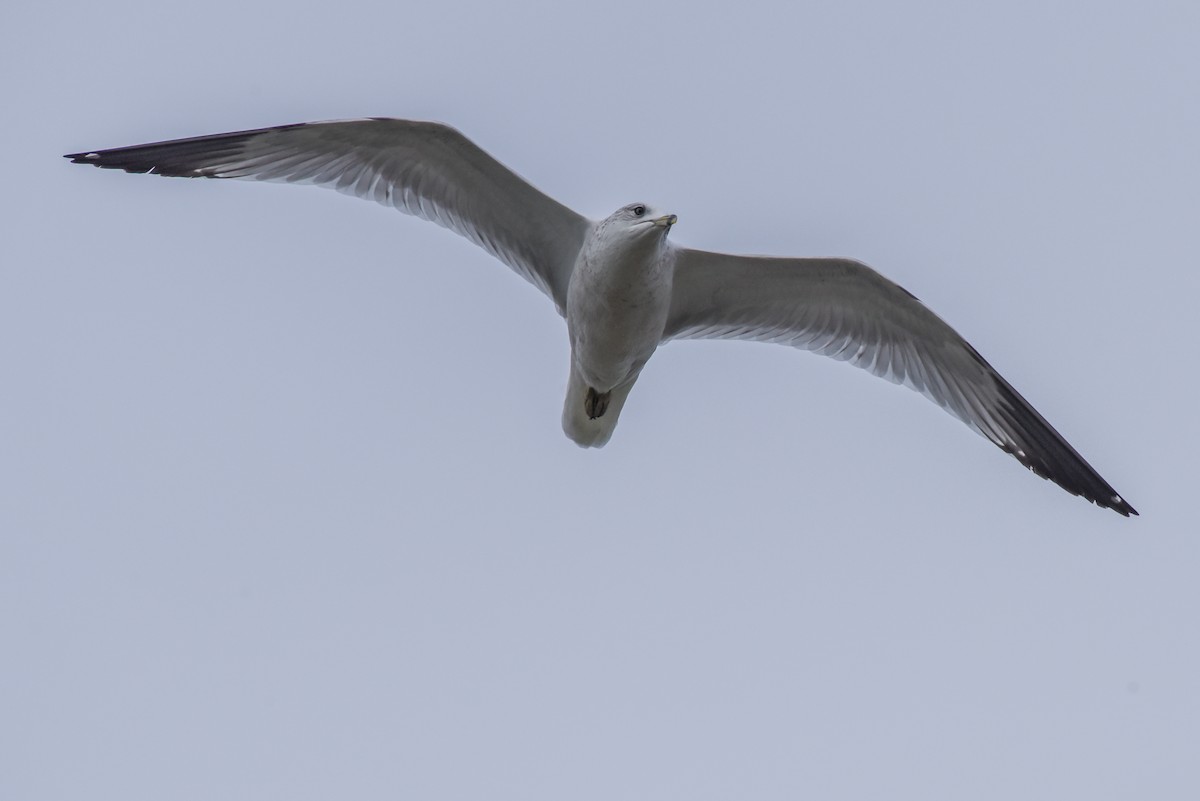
845	310
421	168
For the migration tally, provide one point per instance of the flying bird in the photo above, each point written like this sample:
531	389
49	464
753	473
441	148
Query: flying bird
623	288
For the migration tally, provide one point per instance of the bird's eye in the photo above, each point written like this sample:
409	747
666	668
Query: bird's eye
638	211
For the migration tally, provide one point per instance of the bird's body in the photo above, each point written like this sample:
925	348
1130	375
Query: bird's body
617	306
624	289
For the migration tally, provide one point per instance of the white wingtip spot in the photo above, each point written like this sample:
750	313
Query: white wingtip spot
92	156
1117	499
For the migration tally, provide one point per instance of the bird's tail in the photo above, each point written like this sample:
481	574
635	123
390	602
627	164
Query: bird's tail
584	430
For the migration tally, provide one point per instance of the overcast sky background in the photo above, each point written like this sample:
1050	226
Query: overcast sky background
287	511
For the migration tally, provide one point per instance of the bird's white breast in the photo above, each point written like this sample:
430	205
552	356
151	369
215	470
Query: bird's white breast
617	306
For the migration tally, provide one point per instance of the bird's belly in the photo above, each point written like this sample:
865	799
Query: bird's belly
617	305
611	343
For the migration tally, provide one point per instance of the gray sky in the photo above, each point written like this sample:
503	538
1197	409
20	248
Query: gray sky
287	508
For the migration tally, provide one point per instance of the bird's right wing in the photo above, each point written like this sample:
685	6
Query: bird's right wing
844	309
421	168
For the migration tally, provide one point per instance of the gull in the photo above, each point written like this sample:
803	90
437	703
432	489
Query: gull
623	288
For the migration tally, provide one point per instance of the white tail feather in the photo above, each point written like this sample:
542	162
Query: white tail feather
587	432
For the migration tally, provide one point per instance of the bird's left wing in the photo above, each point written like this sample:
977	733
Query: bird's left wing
425	169
844	309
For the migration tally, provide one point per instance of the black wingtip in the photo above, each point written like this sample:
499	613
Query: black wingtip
1122	508
100	158
1045	452
195	157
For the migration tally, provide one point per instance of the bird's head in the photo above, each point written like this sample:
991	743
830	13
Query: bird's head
634	232
640	220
